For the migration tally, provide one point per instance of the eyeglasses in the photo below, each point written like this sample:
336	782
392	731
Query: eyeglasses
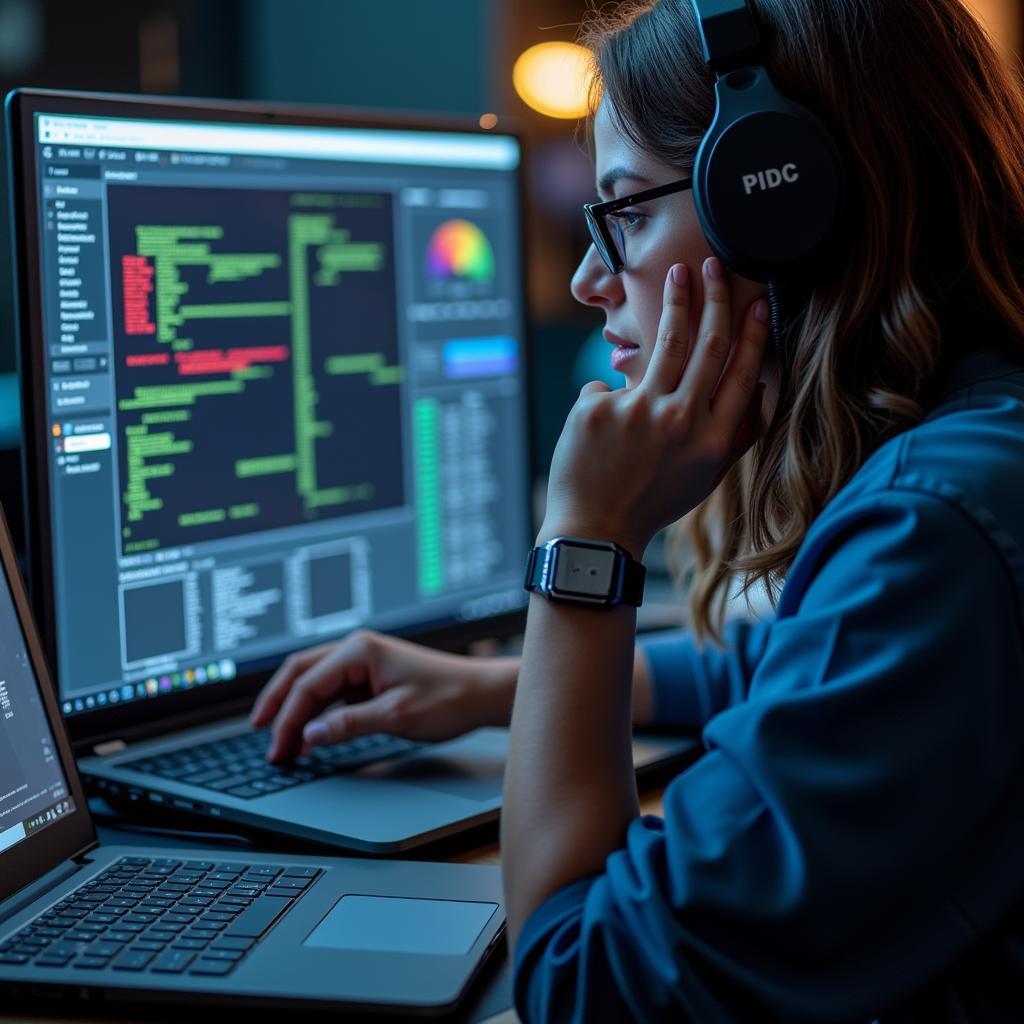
606	228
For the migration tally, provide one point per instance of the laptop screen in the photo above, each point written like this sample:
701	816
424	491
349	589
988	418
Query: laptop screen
34	791
285	390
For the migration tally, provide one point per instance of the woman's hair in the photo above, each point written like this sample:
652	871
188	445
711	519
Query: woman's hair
930	120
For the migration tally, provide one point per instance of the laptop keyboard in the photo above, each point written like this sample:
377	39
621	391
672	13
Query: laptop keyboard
238	766
163	917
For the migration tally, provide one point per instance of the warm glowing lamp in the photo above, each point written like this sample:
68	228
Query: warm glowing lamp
552	78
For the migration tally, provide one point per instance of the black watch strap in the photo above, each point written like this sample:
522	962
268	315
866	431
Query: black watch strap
626	585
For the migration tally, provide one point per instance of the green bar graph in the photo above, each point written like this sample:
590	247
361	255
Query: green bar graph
429	536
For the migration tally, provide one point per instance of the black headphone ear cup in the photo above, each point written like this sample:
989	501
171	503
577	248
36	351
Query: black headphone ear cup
768	182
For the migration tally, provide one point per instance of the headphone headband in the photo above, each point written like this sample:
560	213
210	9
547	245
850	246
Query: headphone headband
728	33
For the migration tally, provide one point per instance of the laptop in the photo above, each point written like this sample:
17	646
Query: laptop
274	389
204	928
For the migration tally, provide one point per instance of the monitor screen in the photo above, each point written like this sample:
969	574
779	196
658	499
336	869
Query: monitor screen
285	388
34	792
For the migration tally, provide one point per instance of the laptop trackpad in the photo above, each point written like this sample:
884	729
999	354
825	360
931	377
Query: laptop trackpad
389	924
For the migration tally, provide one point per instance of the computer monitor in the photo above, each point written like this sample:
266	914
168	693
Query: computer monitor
274	386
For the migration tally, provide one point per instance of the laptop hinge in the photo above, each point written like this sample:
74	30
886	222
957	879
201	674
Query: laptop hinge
109	747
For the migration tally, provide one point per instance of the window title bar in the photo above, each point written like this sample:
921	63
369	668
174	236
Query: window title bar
360	145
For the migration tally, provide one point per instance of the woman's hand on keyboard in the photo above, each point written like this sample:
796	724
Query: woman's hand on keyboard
384	685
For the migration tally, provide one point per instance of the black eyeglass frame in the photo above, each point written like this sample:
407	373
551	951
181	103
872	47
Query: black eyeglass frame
604	242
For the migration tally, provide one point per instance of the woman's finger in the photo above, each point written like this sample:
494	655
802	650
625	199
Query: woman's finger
345	723
713	338
273	694
673	343
741	378
324	683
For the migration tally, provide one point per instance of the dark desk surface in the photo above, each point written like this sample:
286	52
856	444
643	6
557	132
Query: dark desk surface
491	1001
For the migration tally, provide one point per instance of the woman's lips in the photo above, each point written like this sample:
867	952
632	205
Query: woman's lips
622	355
624	350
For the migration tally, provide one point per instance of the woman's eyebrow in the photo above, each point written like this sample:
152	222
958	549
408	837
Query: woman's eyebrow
616	174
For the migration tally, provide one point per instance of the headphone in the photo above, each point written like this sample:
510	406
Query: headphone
768	182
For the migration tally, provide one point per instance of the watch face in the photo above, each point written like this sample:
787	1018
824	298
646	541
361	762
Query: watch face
587	571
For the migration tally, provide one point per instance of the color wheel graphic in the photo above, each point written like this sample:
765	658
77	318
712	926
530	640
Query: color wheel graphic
459	249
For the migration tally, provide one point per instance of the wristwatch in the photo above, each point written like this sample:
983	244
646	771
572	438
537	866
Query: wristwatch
590	572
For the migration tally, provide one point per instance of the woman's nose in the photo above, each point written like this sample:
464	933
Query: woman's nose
593	284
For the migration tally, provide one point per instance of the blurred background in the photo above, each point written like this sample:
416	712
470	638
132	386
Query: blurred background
460	57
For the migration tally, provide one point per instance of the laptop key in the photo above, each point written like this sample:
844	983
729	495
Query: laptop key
208	925
223	954
106	949
50	960
204	777
233	942
244	793
297	872
172	961
225	782
93	963
14	958
258	917
133	960
214	968
291	882
176	773
289	894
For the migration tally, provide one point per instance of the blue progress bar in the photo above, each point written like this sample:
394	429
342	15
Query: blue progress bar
480	357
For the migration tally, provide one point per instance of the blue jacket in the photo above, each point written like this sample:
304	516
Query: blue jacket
851	845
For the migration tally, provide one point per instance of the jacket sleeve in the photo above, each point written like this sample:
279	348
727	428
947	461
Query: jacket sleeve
855	824
691	683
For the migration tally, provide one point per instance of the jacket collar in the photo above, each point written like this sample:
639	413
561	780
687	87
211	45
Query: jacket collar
976	367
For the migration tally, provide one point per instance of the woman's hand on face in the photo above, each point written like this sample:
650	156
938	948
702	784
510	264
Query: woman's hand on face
629	463
387	685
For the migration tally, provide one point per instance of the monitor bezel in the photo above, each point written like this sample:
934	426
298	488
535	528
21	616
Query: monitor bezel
35	855
135	720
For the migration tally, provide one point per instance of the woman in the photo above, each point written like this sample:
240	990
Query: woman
850	846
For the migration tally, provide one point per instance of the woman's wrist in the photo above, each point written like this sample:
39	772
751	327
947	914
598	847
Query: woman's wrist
588	529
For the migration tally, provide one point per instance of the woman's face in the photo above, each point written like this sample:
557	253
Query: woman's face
657	234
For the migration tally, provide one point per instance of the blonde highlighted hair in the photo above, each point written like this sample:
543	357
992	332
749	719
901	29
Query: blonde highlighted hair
930	265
